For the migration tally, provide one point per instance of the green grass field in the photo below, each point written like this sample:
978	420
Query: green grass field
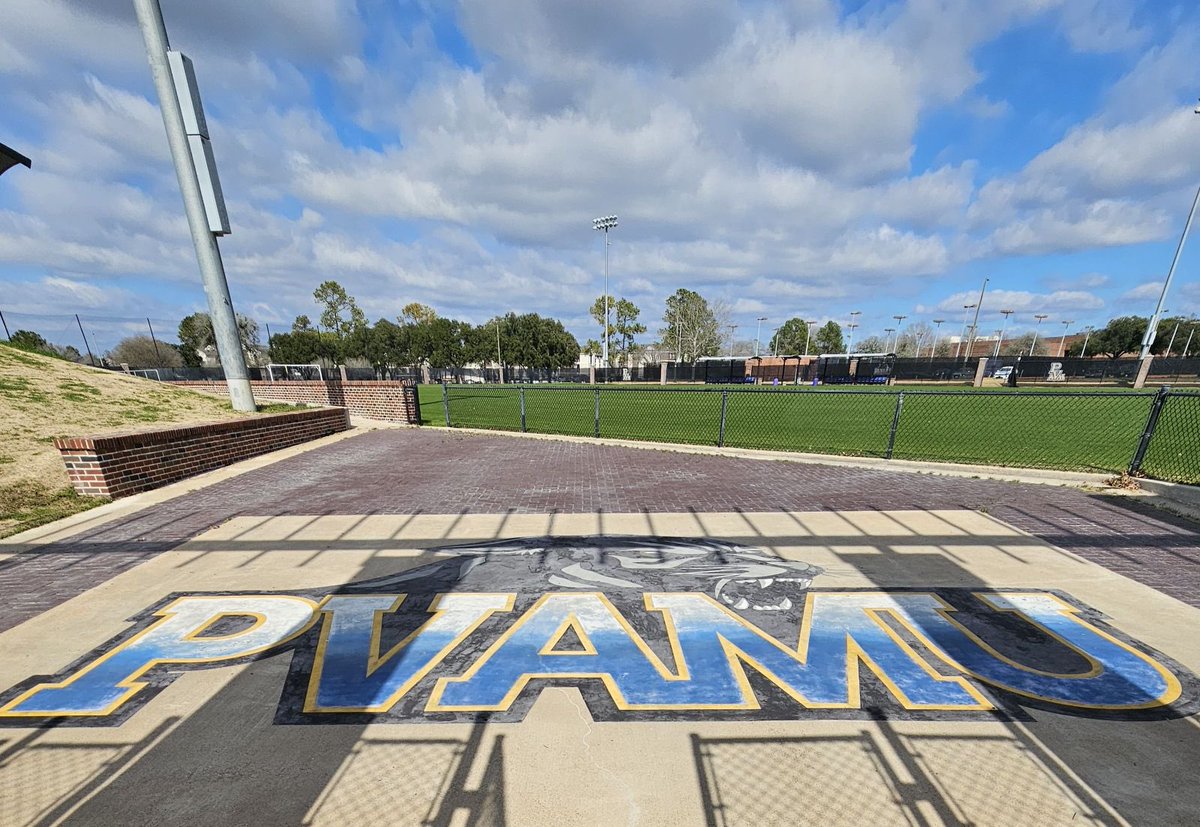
1094	431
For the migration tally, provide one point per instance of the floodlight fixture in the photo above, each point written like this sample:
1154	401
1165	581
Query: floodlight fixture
9	158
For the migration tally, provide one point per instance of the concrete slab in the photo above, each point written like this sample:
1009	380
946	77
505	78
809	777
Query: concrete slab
228	739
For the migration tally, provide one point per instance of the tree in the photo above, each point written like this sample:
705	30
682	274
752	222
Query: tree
690	327
144	352
791	338
389	346
1019	346
341	314
531	341
416	313
302	324
623	326
28	340
829	339
1120	336
872	344
196	337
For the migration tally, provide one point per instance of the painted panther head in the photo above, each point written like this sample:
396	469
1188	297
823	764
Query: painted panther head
742	577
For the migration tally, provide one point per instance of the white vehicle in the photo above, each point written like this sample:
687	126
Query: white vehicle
1003	373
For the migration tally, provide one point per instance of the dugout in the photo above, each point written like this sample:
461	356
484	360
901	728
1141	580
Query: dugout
851	369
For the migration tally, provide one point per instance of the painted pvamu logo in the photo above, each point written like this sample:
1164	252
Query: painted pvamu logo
646	628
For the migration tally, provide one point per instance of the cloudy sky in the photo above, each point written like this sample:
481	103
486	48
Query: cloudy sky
804	158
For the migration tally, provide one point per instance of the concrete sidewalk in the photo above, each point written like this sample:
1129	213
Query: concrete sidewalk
622	637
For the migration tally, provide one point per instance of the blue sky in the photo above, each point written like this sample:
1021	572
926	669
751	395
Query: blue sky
802	158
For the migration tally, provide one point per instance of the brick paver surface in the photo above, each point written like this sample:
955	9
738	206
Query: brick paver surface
425	471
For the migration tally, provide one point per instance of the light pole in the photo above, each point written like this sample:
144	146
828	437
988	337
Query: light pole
899	322
975	323
937	334
1039	317
499	361
1000	338
889	331
853	324
1189	341
775	341
187	137
1152	326
962	337
807	334
758	334
1089	329
1062	343
732	329
605	223
1172	342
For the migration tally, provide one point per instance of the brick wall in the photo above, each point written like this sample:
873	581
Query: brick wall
124	464
390	401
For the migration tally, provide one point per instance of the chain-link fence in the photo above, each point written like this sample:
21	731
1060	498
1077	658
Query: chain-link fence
1154	432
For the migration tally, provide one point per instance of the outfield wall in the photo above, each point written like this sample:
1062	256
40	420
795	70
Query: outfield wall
388	400
124	464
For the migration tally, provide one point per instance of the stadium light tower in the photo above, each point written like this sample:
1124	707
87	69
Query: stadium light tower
1000	338
1062	343
963	335
758	333
808	334
1089	330
853	324
1039	317
937	334
732	329
888	339
605	223
899	324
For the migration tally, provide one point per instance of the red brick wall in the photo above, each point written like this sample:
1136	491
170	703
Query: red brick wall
390	401
124	464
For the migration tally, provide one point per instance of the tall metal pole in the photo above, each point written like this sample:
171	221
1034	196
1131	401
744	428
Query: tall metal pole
208	254
758	334
937	334
2	322
1062	343
157	355
853	324
1152	327
1085	342
606	304
91	358
1189	342
1003	327
962	336
899	321
499	360
807	334
975	323
1171	343
1033	344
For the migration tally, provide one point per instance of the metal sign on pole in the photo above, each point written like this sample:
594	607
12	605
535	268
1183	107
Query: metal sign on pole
202	202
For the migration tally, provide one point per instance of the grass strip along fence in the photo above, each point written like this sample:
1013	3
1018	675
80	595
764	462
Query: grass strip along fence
1153	432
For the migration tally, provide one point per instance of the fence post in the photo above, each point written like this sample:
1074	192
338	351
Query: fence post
724	410
446	402
522	409
1160	399
895	424
597	413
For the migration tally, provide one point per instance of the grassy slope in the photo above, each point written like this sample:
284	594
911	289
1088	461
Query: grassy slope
42	398
1094	433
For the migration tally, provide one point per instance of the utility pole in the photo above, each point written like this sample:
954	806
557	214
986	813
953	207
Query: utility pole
200	221
157	355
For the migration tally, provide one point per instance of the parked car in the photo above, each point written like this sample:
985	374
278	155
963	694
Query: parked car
1003	373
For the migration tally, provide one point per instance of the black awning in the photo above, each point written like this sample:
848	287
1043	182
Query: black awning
9	157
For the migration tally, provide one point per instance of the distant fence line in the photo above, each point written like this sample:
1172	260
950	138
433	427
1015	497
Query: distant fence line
786	370
1156	433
